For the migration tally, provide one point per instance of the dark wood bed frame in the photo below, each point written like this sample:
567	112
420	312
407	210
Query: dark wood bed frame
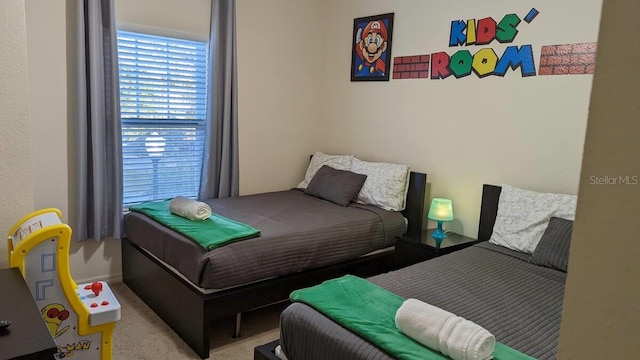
488	213
189	312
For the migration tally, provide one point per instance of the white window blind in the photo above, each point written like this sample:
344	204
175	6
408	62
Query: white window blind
163	89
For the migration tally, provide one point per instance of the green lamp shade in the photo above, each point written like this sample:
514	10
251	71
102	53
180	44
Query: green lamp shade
441	210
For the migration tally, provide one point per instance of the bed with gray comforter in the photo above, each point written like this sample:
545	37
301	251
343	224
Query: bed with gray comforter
497	288
298	232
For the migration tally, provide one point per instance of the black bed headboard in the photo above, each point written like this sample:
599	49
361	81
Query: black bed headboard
488	210
414	208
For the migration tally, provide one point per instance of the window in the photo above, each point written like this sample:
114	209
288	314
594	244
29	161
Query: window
163	106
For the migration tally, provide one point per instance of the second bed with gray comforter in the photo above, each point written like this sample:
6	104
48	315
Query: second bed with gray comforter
500	289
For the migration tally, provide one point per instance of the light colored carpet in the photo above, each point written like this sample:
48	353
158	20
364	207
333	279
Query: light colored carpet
141	334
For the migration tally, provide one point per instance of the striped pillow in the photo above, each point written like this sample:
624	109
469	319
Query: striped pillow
553	249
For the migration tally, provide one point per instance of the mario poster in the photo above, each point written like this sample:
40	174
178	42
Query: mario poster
371	48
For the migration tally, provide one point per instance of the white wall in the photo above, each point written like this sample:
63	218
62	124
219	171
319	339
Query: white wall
48	106
281	99
16	172
527	132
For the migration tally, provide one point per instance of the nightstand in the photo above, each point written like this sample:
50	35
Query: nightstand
410	251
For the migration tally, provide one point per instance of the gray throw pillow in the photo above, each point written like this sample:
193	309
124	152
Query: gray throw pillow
338	186
553	249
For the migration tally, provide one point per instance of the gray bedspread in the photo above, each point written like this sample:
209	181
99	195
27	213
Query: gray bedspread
298	232
520	303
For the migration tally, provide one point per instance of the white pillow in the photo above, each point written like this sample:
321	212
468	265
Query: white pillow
523	216
340	162
385	186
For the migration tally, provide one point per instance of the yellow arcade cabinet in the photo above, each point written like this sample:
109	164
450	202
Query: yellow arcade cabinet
81	318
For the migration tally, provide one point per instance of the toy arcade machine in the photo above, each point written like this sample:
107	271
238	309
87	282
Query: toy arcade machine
81	318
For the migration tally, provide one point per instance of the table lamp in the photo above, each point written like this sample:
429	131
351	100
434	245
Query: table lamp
441	210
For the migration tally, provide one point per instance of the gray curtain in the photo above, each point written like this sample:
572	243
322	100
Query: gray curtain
96	150
220	165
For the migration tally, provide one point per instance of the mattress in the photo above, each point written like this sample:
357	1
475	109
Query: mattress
298	232
497	288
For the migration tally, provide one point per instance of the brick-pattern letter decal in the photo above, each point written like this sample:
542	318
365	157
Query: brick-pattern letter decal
411	67
568	59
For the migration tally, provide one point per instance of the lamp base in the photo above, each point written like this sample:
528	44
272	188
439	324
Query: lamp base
438	235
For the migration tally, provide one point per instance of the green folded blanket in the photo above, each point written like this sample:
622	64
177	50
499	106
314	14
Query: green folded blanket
369	311
209	233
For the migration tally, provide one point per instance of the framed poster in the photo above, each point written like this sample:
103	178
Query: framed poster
371	50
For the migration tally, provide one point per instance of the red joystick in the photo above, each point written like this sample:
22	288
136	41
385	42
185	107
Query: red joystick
96	287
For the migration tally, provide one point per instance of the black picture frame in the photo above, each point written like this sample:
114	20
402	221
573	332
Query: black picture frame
371	51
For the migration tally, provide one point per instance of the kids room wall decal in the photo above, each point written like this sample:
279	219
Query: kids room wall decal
554	59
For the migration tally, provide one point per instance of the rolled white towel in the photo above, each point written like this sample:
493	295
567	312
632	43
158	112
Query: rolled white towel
280	354
422	322
464	339
443	331
190	209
